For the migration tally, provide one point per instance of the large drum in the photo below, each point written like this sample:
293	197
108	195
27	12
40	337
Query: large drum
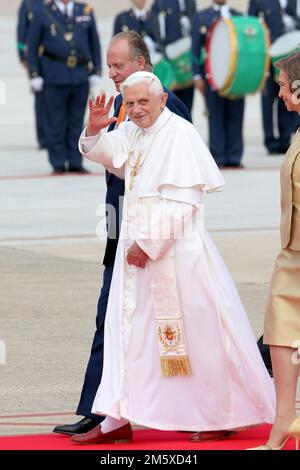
237	60
163	70
179	54
284	46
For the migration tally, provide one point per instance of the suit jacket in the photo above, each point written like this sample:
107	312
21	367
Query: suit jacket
290	197
115	186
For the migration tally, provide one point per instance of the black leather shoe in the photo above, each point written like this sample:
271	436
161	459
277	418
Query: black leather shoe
273	151
81	170
58	172
283	149
235	166
83	426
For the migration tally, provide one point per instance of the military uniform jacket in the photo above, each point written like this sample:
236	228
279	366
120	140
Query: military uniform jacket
25	16
70	46
271	12
127	20
172	13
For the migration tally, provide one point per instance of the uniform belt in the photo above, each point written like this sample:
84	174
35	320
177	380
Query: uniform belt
71	61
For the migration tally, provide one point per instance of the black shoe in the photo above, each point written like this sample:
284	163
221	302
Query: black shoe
58	172
84	425
80	169
274	151
283	149
235	166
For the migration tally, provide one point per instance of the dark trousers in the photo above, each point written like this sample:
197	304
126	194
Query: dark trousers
94	368
225	121
39	118
265	354
286	121
186	95
64	108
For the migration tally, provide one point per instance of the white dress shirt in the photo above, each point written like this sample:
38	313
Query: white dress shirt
283	4
67	8
224	10
140	14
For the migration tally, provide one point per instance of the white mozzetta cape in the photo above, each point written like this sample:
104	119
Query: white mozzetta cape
178	155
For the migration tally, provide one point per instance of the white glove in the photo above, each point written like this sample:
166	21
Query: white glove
289	23
185	25
94	81
150	44
36	84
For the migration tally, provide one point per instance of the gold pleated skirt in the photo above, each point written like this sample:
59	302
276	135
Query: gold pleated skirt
282	320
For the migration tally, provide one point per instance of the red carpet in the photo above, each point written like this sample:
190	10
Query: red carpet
142	440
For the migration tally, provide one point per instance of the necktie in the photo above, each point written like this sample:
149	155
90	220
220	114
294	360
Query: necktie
122	114
66	13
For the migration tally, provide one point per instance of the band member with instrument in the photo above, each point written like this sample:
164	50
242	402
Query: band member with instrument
225	116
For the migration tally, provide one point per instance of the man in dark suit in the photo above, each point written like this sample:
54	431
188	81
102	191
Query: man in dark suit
64	59
225	116
127	54
26	14
279	16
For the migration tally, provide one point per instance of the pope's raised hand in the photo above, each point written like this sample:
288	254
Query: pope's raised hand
99	114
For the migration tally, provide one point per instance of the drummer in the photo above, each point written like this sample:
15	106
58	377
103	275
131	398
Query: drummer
137	18
225	116
280	16
171	21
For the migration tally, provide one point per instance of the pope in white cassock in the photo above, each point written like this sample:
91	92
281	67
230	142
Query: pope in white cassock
179	352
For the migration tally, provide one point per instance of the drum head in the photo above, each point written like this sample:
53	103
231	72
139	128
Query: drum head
285	44
218	55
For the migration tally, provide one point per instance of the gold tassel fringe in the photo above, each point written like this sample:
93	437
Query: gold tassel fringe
175	365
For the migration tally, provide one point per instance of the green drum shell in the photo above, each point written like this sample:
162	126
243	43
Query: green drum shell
251	62
164	71
183	69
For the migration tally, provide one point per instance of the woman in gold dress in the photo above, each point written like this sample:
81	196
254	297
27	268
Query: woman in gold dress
282	320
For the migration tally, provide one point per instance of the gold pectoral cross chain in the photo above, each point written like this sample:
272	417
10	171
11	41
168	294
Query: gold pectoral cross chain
139	161
135	170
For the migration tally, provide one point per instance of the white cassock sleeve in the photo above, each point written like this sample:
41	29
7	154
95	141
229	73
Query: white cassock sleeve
168	220
105	148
